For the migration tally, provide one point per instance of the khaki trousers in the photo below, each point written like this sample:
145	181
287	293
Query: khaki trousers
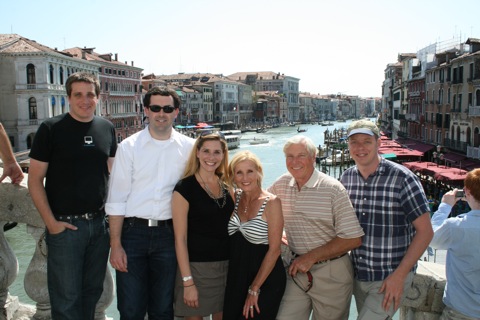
369	301
328	299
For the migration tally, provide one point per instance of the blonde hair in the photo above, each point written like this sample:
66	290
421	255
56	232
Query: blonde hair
193	164
244	156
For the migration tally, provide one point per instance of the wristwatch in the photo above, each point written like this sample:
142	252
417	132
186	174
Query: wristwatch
185	279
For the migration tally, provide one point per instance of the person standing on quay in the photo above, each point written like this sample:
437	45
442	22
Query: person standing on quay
147	166
256	275
74	152
11	168
460	236
321	228
393	210
201	207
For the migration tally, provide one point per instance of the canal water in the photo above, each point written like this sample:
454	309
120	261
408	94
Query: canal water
273	161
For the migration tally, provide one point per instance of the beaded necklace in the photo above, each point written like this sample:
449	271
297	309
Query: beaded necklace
211	195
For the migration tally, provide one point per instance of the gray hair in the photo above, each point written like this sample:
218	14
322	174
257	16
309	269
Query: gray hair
299	139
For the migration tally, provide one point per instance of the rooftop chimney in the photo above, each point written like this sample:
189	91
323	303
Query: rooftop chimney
116	56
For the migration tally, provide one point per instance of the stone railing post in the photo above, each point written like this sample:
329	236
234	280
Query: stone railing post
8	274
35	281
424	300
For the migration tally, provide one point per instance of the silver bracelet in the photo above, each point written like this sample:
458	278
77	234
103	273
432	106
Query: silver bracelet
253	293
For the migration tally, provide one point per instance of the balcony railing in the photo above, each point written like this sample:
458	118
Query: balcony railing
474	111
456	145
411	117
40	86
473	152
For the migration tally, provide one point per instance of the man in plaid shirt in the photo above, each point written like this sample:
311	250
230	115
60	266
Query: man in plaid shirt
393	210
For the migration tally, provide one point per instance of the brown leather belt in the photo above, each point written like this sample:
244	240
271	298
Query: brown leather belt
294	255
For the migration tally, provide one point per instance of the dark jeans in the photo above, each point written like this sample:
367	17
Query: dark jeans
151	263
76	266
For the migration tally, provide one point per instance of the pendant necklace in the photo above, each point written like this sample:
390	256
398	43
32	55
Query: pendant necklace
211	195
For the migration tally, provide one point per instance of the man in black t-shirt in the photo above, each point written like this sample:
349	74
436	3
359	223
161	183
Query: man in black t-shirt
74	152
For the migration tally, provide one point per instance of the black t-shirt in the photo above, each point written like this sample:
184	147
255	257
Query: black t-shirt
207	222
77	154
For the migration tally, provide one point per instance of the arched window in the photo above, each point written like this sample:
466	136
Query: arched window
63	104
31	74
32	108
477	98
51	74
53	106
61	75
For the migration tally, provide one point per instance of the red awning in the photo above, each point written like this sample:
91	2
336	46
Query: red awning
454	176
453	157
428	168
412	144
422	147
390	143
469	164
401	152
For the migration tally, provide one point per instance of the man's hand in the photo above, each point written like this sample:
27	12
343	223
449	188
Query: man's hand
13	171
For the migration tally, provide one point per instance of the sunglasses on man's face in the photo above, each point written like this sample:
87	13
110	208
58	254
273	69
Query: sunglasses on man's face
166	109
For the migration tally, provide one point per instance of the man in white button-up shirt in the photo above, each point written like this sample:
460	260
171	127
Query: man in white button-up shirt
148	164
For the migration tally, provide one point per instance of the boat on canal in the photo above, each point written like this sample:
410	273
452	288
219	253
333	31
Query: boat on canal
255	141
233	138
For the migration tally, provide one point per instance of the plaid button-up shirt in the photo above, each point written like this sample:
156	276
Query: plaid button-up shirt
386	204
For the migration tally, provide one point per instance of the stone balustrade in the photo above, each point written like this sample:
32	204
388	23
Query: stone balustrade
424	301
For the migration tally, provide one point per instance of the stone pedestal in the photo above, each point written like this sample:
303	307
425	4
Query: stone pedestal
424	300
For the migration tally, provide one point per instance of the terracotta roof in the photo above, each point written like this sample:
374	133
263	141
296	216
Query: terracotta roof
91	55
265	75
13	43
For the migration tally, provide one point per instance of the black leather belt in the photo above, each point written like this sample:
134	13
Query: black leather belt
294	255
134	221
83	216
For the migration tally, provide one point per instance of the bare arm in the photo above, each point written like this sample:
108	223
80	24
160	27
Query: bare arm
392	286
180	218
11	167
274	217
118	258
110	163
37	173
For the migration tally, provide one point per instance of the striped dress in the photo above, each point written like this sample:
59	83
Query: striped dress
248	246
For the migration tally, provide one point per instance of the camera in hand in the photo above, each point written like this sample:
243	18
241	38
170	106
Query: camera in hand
459	194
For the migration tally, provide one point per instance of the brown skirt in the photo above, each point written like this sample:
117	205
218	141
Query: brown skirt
210	279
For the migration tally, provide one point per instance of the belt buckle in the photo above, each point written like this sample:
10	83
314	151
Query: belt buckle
88	216
152	223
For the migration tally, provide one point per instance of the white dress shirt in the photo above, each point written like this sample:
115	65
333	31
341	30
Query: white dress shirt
144	174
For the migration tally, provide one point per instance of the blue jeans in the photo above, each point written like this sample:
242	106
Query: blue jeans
76	266
152	265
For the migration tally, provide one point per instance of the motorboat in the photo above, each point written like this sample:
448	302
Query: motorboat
258	141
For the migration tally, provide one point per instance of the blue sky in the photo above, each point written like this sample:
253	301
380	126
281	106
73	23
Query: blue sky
331	46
